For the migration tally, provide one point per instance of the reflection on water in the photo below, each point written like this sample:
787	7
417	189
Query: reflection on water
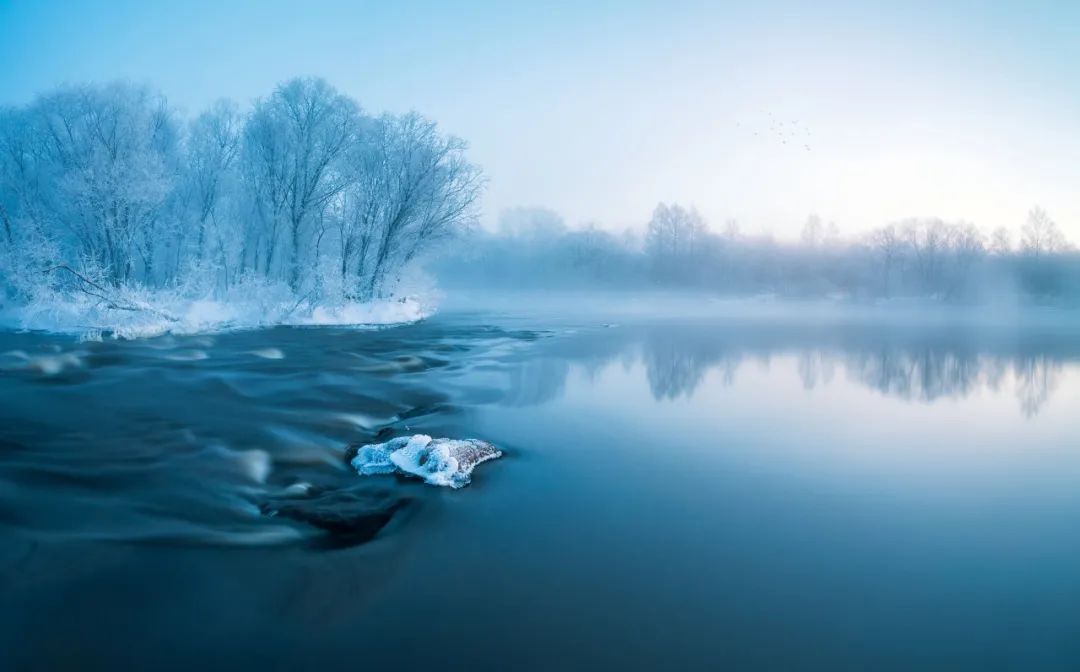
928	375
677	359
1036	378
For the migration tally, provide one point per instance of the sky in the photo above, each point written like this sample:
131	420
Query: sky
861	112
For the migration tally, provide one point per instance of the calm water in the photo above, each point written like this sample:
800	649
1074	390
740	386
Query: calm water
677	494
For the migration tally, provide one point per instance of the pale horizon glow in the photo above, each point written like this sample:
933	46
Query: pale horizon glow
970	111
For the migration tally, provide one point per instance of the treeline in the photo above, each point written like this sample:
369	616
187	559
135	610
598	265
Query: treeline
107	186
915	258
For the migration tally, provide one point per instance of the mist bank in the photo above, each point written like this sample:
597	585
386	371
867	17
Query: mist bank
915	261
116	213
539	308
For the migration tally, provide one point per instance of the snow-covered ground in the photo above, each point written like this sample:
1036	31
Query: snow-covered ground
149	314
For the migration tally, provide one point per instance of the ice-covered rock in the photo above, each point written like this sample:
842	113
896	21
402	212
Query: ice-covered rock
448	462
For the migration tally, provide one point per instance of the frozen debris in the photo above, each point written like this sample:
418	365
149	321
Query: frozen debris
446	462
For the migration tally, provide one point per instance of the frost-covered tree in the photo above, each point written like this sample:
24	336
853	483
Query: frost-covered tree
888	246
103	191
816	233
927	241
27	242
294	145
412	187
110	158
674	239
209	180
531	224
1040	235
1001	241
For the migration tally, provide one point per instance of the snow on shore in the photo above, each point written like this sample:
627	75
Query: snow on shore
146	315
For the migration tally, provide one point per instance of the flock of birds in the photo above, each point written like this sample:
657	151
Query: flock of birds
787	132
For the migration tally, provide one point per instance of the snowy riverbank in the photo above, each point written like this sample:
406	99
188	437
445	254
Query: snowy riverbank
149	314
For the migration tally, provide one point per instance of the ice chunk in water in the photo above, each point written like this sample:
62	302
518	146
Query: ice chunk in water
447	462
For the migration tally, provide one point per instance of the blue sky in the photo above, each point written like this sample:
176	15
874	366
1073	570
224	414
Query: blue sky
599	110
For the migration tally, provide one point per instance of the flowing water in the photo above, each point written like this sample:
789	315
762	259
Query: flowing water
675	493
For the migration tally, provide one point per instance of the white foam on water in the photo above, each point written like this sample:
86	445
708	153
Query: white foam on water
254	464
362	420
46	365
301	489
188	356
443	462
268	353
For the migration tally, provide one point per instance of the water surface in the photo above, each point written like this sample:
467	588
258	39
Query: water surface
677	494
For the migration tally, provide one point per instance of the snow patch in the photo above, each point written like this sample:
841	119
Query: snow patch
149	314
445	462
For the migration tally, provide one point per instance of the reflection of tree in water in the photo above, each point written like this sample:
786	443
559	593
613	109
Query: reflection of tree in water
928	374
1036	379
675	364
677	360
537	381
815	366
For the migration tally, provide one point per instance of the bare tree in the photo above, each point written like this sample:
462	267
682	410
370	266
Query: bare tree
111	154
412	187
674	237
531	225
928	242
813	232
1040	235
1001	241
212	149
294	143
887	244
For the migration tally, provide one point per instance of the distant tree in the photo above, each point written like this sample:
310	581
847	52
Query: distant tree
888	246
927	240
813	232
1040	235
731	233
532	224
1001	241
675	238
967	246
